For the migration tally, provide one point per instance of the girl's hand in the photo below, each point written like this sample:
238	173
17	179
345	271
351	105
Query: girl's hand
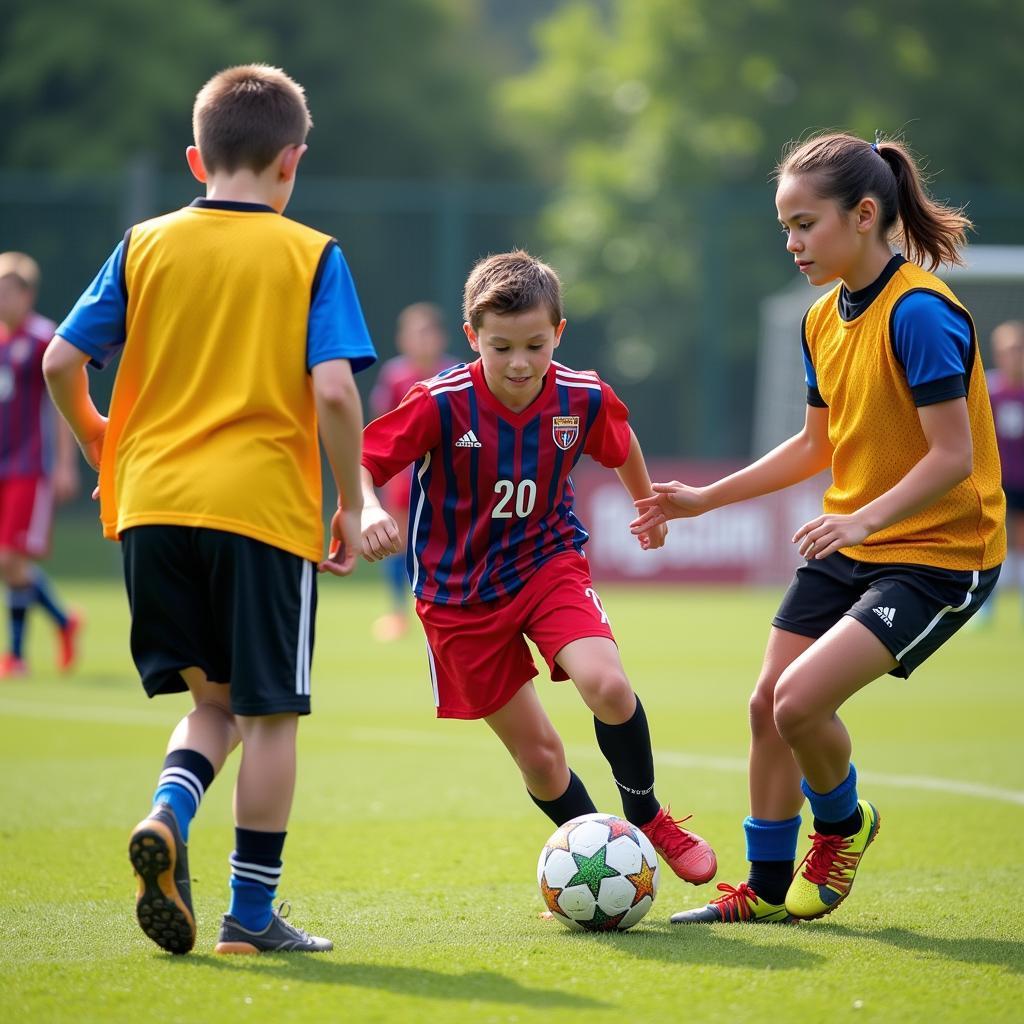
825	535
380	534
669	501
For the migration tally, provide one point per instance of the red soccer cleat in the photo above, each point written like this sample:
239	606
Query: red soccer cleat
12	667
67	654
689	856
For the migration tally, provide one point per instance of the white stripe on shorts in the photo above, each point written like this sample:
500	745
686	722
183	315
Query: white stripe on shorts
38	534
949	608
433	676
302	640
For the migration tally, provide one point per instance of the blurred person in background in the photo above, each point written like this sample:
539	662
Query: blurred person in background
421	341
38	464
1006	389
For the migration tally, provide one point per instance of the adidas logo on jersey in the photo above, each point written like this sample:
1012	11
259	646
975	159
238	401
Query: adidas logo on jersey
885	614
468	440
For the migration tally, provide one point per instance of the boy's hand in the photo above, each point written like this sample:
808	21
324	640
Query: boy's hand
341	557
652	538
93	449
65	481
669	501
380	534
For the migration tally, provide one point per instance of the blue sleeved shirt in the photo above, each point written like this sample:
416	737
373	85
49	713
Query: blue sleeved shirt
337	328
933	342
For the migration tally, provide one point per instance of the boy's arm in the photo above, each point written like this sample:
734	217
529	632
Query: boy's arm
68	383
340	416
637	481
65	476
796	459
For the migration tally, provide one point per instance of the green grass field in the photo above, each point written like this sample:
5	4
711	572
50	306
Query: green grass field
413	845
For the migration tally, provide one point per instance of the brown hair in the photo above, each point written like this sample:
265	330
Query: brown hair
244	116
510	282
846	169
22	267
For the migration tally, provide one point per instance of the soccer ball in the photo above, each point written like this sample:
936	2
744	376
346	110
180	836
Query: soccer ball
598	873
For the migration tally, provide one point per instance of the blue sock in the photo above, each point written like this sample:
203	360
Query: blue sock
255	872
186	776
19	600
771	850
43	593
771	840
837	806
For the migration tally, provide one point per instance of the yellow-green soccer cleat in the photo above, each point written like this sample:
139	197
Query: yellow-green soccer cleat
825	876
738	905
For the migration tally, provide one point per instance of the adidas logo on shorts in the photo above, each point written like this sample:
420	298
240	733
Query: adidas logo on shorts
468	440
885	614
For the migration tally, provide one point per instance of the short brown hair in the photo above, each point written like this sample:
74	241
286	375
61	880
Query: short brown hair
244	116
511	282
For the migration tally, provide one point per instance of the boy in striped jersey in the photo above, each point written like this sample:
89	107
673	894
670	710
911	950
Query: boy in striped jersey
495	550
38	464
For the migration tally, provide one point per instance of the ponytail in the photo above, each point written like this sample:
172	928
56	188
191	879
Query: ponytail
846	169
928	229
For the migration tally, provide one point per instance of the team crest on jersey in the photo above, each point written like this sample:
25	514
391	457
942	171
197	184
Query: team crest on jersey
565	430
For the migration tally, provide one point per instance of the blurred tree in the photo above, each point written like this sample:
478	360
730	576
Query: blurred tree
659	123
397	89
92	86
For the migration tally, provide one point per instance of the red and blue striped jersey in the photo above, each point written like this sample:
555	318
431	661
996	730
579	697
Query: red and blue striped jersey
492	496
27	418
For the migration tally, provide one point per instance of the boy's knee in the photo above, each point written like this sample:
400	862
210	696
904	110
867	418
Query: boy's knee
606	689
544	759
12	568
761	710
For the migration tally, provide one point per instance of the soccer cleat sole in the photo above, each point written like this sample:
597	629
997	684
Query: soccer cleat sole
237	948
161	912
875	829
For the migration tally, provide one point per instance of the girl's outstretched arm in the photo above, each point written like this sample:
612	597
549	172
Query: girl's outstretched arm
796	459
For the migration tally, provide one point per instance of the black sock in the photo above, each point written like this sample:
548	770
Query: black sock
770	879
571	804
847	827
627	748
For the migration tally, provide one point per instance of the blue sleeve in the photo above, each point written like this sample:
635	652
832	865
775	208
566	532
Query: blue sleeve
810	376
96	324
337	329
933	342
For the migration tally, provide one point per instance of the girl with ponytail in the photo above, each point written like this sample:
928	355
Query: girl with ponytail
913	527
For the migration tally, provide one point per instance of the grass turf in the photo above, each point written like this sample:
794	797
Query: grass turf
413	845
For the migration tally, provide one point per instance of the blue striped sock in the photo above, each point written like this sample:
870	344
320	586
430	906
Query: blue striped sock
186	776
256	868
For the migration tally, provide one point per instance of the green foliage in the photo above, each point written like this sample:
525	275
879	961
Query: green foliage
397	90
643	114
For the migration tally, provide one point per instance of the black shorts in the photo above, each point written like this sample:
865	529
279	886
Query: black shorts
912	609
240	610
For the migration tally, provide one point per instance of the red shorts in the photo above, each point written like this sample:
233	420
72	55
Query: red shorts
478	655
26	515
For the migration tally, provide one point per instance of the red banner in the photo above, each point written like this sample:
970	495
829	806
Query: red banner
749	542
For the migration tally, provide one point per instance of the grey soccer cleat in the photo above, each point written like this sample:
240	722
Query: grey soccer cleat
163	903
278	937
